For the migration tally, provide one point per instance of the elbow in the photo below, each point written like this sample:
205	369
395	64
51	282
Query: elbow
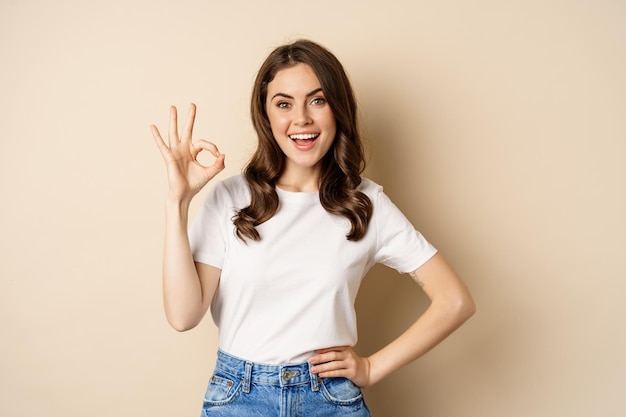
180	328
181	325
181	317
457	309
464	308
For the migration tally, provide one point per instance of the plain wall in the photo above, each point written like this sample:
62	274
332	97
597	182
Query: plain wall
497	127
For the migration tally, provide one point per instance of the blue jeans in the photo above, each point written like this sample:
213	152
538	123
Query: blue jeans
239	388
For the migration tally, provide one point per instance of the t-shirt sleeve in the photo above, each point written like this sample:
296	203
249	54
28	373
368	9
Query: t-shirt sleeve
399	245
207	232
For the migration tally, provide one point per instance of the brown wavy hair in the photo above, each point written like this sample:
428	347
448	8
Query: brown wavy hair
341	166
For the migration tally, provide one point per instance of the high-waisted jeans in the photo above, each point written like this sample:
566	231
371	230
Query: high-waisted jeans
240	388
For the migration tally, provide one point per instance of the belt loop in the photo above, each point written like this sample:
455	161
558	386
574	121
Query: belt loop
247	377
315	380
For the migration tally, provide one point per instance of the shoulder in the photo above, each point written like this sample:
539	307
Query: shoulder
232	189
381	202
370	189
233	184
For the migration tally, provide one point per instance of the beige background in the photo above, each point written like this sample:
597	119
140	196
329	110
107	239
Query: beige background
498	127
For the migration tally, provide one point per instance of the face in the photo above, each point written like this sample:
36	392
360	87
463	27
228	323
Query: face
301	120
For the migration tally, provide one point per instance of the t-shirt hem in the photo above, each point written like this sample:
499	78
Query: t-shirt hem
413	266
209	260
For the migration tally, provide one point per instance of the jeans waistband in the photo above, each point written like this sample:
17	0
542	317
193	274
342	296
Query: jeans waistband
267	374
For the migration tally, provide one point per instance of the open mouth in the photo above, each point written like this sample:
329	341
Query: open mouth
304	141
304	138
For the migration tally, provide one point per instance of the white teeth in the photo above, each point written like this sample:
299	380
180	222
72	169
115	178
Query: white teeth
304	136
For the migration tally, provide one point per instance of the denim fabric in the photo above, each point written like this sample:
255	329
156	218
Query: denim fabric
239	388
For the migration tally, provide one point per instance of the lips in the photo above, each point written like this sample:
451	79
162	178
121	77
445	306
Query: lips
304	141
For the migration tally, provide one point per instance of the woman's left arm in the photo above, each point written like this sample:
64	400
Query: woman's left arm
451	305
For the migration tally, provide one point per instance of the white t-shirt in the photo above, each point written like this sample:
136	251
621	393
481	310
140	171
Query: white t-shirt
293	291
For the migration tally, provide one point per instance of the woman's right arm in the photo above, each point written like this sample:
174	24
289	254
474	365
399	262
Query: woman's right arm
188	287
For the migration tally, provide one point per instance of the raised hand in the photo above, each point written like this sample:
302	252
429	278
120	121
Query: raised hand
186	176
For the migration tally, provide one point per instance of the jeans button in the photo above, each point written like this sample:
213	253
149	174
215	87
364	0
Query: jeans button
287	375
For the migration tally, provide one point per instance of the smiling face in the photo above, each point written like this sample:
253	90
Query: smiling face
301	120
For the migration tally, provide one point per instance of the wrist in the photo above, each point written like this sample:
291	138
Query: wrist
374	372
177	202
177	207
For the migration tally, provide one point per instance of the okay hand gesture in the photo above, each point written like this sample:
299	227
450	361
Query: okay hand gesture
186	176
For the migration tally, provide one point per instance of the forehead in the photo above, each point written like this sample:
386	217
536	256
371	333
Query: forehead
294	80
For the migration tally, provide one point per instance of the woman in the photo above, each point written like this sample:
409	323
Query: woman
279	252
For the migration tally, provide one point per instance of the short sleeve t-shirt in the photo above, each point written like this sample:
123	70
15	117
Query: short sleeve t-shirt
293	292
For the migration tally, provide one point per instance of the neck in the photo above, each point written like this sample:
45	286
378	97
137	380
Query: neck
303	180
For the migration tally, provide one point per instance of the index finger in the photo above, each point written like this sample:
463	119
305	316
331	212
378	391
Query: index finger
157	135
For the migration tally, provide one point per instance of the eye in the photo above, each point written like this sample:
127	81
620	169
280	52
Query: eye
283	105
318	101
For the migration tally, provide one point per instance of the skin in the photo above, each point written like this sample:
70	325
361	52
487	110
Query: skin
188	287
451	305
295	104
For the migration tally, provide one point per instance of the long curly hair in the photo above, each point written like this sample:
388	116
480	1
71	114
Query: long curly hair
341	166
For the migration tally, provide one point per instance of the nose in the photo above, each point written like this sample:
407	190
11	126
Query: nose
302	116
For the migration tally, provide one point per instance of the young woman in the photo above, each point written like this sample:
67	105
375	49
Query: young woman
279	252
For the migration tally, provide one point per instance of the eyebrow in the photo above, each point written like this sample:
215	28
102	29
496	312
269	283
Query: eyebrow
317	90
